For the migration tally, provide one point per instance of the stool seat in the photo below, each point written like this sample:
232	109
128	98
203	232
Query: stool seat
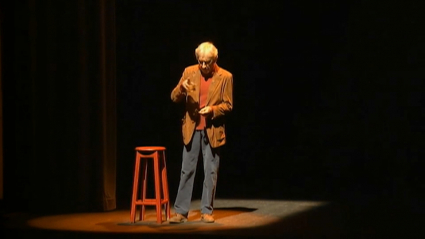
150	148
143	155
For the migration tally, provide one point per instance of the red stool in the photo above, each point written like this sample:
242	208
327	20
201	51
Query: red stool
157	153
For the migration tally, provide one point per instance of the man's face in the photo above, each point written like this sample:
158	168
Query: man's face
206	63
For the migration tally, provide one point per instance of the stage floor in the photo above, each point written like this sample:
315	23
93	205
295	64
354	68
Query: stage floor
234	219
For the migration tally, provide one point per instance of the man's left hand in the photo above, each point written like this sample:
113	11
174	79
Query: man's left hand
206	110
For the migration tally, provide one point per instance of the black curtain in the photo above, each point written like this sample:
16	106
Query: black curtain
328	97
60	106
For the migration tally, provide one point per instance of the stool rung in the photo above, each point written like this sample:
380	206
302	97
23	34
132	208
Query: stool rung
150	202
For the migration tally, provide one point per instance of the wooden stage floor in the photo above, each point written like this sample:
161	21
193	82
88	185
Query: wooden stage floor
235	218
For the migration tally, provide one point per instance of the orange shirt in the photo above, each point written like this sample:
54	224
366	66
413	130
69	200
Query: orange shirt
203	95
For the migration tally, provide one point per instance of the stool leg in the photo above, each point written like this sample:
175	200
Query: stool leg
144	186
135	187
165	186
157	189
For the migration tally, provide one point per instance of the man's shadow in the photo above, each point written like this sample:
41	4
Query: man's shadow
223	212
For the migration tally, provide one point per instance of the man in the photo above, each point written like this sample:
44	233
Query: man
207	91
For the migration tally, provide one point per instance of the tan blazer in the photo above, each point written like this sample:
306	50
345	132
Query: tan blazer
220	98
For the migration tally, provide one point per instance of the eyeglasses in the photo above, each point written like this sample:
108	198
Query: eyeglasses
205	62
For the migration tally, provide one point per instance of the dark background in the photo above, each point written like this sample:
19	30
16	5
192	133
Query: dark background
327	102
327	95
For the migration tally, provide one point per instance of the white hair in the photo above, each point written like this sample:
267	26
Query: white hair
206	48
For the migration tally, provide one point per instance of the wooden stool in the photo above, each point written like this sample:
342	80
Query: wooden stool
157	153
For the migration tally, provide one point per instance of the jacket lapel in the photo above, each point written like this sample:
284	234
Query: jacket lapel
214	83
196	78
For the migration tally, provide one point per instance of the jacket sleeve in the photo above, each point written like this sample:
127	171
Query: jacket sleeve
177	94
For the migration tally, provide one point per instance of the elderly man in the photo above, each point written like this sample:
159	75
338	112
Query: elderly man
207	91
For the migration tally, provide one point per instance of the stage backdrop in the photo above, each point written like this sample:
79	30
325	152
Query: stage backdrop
328	99
60	124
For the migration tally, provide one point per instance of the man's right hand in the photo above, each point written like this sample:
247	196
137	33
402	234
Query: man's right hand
187	86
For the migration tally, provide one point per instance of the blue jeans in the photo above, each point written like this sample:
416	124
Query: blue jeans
211	160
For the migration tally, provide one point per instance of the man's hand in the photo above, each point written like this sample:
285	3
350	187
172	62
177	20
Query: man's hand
188	86
206	110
